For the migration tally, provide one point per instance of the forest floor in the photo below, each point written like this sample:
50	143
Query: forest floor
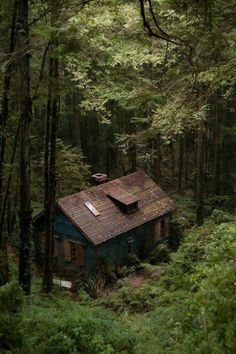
136	281
161	311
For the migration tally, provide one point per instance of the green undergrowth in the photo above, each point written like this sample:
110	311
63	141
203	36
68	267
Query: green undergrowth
190	308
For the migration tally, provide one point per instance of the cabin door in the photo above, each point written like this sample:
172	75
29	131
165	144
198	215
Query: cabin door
157	231
161	229
74	253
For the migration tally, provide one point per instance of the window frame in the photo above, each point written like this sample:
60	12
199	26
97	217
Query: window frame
130	244
74	256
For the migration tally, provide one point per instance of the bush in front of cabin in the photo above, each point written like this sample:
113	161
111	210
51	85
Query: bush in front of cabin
133	259
219	216
161	254
94	335
93	284
59	343
77	329
11	302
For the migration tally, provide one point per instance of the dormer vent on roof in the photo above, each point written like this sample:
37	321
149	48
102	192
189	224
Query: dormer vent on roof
127	202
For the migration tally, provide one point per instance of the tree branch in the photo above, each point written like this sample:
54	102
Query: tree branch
41	69
162	35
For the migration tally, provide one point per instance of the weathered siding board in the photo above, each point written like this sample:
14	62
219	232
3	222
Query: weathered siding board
64	226
113	252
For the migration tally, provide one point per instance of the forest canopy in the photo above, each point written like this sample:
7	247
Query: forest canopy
109	86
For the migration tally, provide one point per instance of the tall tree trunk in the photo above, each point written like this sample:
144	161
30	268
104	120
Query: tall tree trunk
200	174
50	160
47	280
207	155
9	178
181	162
216	152
157	159
132	147
76	111
186	158
4	272
133	157
50	178
172	160
25	121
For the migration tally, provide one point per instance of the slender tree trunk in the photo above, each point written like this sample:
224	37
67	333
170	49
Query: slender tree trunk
4	272
9	178
76	111
11	212
200	174
52	177
172	159
50	161
47	280
216	152
157	159
25	120
207	156
133	157
186	158
132	148
181	163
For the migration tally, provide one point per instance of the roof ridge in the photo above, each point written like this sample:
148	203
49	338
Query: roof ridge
101	186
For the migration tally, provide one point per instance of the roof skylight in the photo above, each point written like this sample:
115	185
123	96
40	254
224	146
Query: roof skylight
91	208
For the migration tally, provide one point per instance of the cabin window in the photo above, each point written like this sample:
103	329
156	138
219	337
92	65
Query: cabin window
161	229
74	252
130	243
157	231
164	228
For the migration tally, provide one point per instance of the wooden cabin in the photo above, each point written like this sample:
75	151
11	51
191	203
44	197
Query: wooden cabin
107	223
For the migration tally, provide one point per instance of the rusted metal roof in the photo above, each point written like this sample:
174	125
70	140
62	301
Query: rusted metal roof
112	221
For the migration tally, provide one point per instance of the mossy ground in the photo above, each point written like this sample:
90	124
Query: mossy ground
190	309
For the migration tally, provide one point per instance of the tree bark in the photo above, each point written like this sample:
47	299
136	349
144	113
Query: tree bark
76	111
4	272
25	122
216	153
9	178
50	160
186	159
157	159
47	280
181	162
172	160
132	147
133	157
200	174
50	176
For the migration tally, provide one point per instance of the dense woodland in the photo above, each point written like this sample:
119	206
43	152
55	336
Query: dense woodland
115	86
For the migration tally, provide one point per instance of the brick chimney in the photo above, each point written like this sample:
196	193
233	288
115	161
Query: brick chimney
98	178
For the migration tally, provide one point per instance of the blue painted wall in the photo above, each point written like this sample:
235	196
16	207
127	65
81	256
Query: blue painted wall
113	252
